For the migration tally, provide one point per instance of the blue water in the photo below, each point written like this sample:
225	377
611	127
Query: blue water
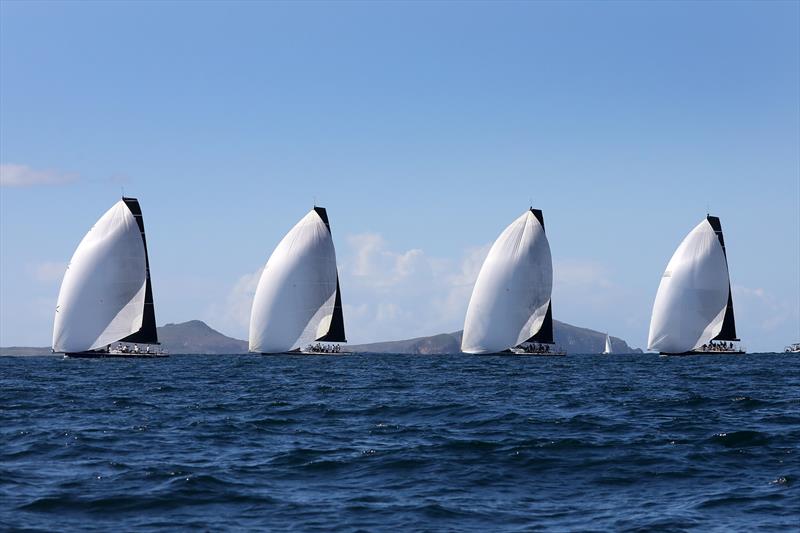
377	442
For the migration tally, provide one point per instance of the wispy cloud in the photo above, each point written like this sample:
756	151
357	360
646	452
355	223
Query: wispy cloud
392	293
388	293
233	316
369	260
574	273
48	271
581	285
757	305
13	175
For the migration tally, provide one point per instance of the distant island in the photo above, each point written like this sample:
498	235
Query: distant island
192	337
196	337
571	338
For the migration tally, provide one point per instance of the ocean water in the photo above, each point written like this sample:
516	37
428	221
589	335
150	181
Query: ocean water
382	442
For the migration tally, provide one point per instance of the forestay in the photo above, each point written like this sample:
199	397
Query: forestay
103	292
511	296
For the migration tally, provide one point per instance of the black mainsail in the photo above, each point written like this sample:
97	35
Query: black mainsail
728	332
336	331
148	333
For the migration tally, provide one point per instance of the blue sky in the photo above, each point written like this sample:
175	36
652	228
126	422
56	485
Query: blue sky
424	128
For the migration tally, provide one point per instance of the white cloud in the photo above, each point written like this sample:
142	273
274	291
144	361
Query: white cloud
12	175
388	294
756	305
573	273
393	294
580	286
373	264
233	316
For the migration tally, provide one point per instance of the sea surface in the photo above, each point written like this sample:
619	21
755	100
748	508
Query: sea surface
391	442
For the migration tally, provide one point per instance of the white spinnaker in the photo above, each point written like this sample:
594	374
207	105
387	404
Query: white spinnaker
511	295
690	304
102	295
294	300
607	349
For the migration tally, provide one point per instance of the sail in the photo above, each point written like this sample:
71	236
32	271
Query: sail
607	349
728	331
147	334
336	331
693	295
103	293
298	300
510	302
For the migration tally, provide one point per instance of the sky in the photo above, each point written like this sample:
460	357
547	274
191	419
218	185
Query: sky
424	129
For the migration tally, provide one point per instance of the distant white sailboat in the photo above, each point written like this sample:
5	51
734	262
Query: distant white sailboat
693	310
106	295
298	303
510	307
607	349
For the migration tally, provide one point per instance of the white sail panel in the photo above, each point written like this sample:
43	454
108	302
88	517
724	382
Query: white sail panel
102	295
690	303
511	295
295	296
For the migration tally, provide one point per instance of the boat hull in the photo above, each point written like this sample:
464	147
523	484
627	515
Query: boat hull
302	352
550	354
114	355
698	352
513	352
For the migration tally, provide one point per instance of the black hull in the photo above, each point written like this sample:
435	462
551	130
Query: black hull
298	352
101	355
509	353
698	352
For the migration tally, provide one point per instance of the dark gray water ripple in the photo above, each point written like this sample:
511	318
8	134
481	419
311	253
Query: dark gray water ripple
377	442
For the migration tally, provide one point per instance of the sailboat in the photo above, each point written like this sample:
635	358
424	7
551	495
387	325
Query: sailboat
298	302
510	309
607	349
693	310
106	295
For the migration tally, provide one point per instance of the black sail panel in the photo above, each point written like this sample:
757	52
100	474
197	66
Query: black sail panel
147	334
323	214
728	331
539	216
545	333
336	331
